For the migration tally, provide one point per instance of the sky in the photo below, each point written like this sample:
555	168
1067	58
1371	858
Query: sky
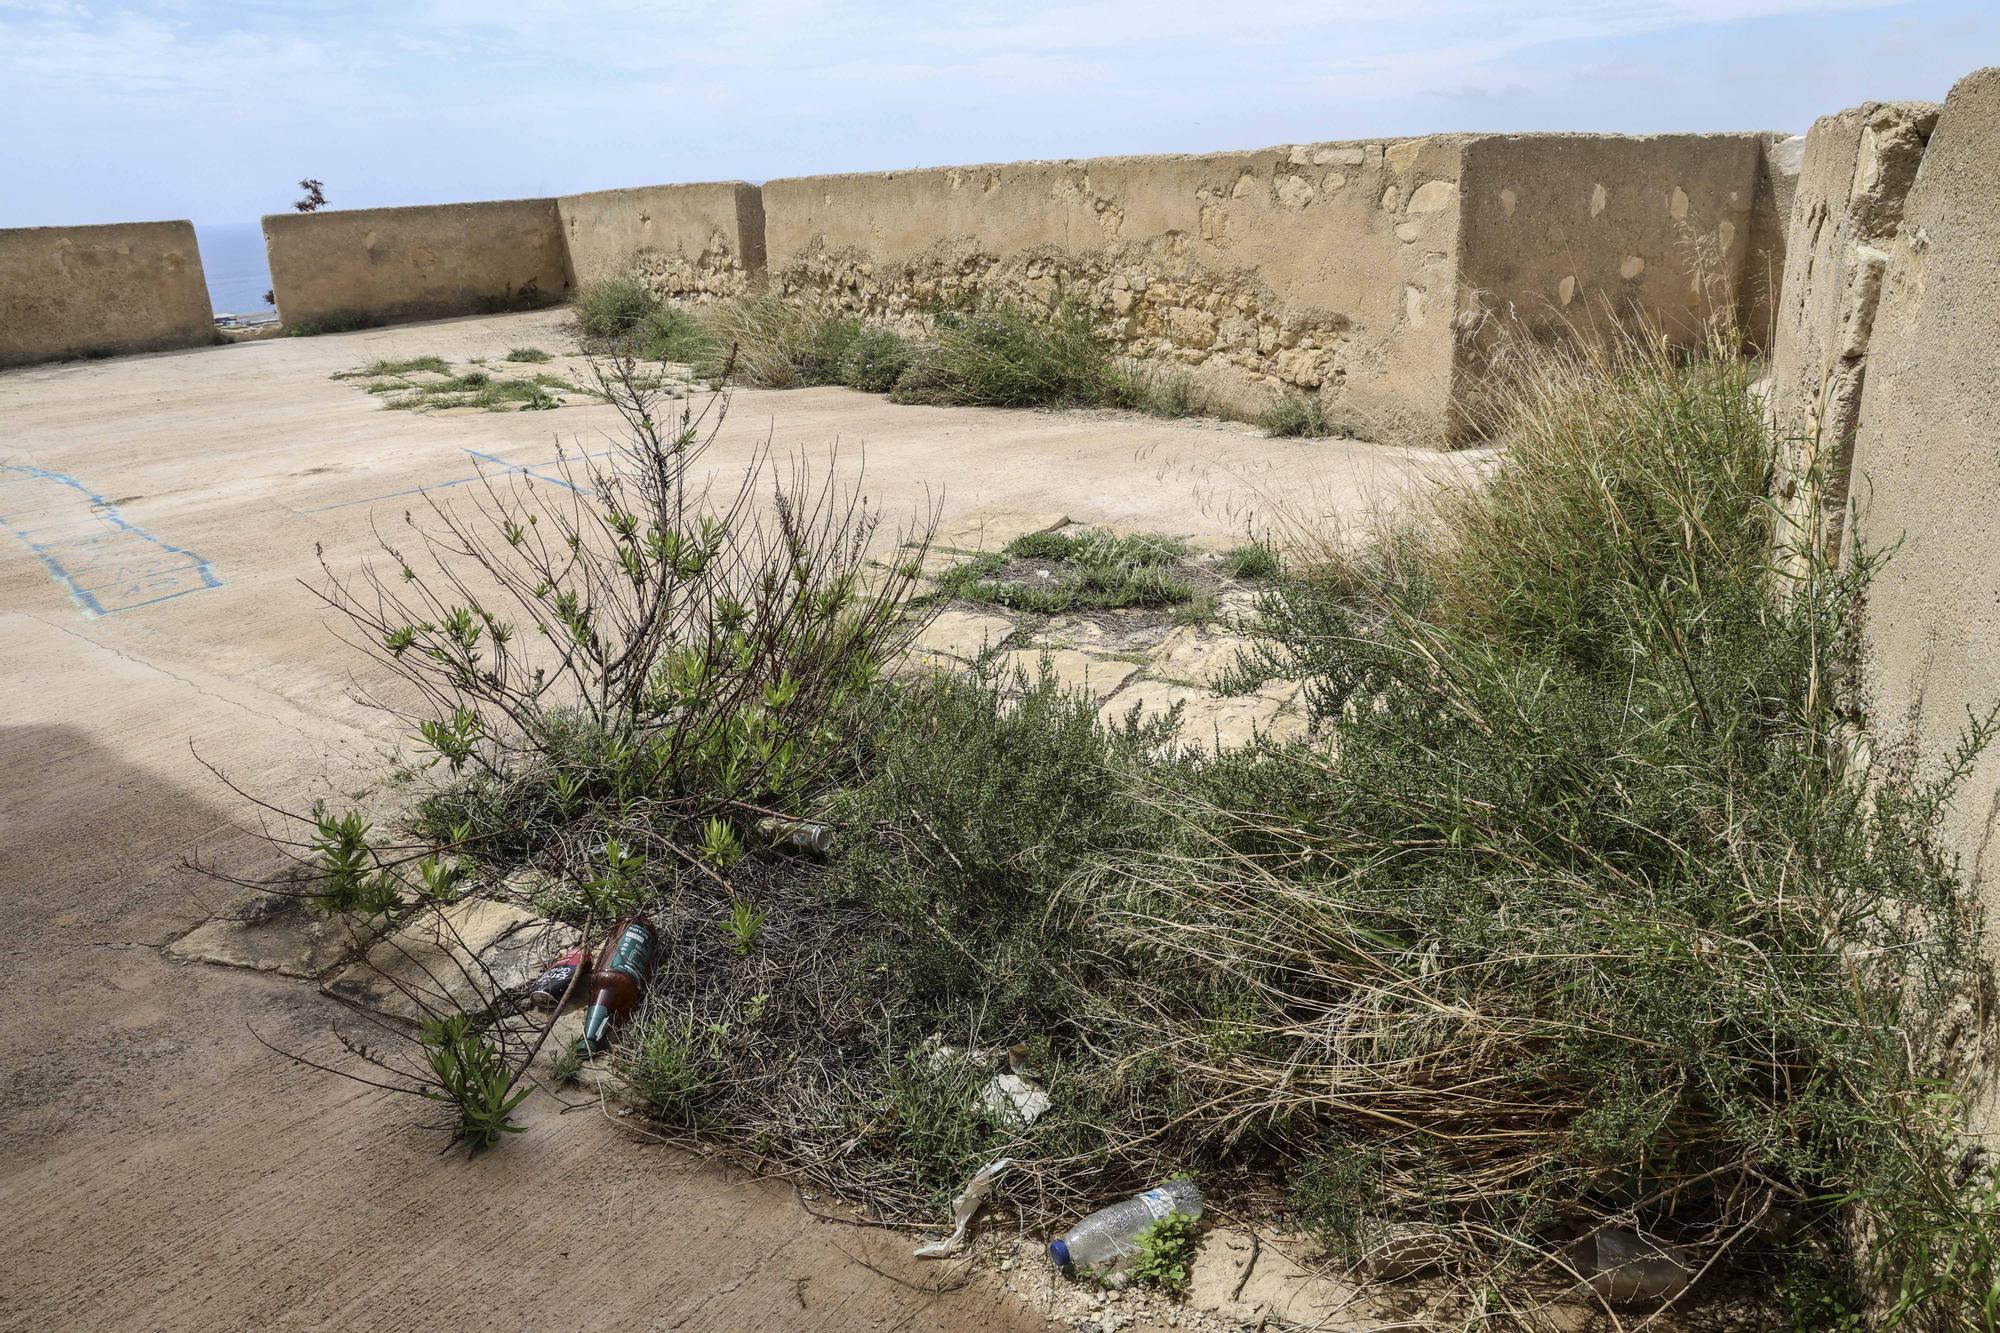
213	111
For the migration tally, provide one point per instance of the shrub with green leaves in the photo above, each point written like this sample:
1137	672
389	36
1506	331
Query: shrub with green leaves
981	800
642	660
1296	414
613	307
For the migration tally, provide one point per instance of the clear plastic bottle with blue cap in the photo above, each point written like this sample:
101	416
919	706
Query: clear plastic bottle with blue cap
1111	1234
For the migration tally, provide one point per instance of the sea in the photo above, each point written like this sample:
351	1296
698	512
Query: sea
232	256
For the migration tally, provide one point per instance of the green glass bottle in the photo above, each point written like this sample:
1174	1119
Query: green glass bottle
617	981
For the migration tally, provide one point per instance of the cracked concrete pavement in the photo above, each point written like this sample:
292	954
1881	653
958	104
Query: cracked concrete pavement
163	1169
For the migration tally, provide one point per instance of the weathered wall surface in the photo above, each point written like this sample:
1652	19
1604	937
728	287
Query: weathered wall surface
1770	234
688	242
1926	466
1325	267
1858	169
382	265
1363	272
1565	229
98	291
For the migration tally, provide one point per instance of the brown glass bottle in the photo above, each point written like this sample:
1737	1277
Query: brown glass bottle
617	981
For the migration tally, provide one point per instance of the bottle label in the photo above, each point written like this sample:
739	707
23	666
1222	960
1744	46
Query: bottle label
635	945
1158	1202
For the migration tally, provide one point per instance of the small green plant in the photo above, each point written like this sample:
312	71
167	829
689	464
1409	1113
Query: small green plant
1253	561
349	880
530	355
619	883
744	923
1297	414
1166	1253
720	846
665	1066
470	1074
874	360
1330	1195
565	1065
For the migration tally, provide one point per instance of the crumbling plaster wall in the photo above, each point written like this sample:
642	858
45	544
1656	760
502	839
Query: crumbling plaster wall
100	291
1372	273
383	265
1326	267
1926	464
1858	168
687	242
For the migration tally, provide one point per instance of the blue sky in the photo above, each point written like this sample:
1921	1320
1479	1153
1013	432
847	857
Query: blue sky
212	111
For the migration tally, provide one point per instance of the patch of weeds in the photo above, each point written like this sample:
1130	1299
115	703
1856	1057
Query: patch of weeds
677	334
982	801
1332	1195
1014	356
1297	414
614	307
1094	570
940	1131
376	370
1166	1253
1253	561
530	355
874	360
666	1064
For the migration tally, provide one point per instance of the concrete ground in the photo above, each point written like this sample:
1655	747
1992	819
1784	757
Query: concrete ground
159	1167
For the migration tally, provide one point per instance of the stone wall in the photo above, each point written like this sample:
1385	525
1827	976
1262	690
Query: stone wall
99	291
688	242
1858	169
1922	390
384	265
1360	271
1255	271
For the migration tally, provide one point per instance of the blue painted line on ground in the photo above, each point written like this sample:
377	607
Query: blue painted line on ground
109	563
524	469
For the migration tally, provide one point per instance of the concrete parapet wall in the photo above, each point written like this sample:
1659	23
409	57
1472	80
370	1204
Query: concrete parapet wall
384	265
1256	271
1926	458
1360	271
1858	168
98	291
688	242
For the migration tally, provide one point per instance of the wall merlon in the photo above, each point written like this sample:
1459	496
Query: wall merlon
101	291
383	265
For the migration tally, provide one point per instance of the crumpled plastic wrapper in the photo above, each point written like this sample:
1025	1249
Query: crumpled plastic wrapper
977	1191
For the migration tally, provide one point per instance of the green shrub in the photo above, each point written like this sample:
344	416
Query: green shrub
1254	561
665	1064
1589	839
471	1075
983	797
529	355
1297	414
614	307
875	360
1012	356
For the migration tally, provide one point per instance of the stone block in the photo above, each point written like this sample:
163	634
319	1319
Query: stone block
460	957
275	934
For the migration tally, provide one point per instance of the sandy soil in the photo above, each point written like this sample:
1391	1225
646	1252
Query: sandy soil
159	1167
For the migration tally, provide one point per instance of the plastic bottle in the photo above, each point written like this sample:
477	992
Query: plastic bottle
618	980
1109	1234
